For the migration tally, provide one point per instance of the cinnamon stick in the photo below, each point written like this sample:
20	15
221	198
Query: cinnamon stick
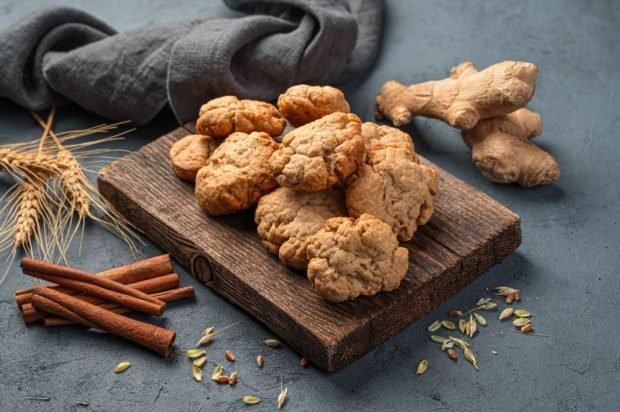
132	273
167	296
150	286
153	337
93	285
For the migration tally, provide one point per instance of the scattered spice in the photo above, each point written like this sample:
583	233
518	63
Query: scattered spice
195	353
480	319
522	313
217	372
519	322
208	331
422	367
459	342
469	355
472	326
197	372
251	399
272	343
304	362
122	367
449	344
259	361
204	339
506	313
462	325
451	354
494	352
527	328
438	339
448	324
483	301
488	306
233	378
222	379
229	356
434	326
282	397
200	362
455	313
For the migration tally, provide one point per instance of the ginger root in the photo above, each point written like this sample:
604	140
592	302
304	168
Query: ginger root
500	146
460	101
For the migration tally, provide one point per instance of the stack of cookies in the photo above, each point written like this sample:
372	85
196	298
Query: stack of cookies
334	196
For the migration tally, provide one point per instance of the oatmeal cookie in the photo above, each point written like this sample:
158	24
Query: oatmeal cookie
392	185
237	174
303	104
286	219
321	153
191	153
225	115
352	257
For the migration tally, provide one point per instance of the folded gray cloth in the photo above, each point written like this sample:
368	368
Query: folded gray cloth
58	54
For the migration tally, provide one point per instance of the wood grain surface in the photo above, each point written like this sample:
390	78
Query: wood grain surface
468	233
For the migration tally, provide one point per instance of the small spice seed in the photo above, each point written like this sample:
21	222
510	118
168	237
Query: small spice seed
506	313
469	355
522	313
455	313
483	301
195	353
462	325
519	322
452	354
217	372
272	343
282	397
222	379
259	361
434	326
447	345
251	399
229	356
448	324
122	367
422	366
438	339
206	339
480	319
527	328
197	372
200	362
488	306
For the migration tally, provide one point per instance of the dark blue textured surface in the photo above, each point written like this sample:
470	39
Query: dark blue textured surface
567	266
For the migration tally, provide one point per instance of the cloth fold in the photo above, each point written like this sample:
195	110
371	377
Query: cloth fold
57	54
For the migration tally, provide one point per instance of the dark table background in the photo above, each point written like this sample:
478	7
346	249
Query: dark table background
566	266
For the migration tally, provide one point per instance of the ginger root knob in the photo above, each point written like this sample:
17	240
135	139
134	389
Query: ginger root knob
460	101
501	148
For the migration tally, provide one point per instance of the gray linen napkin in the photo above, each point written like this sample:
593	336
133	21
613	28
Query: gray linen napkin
57	54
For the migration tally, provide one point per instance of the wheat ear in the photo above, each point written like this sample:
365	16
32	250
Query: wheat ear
74	184
29	211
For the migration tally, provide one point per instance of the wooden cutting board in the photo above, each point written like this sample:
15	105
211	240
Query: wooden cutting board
468	233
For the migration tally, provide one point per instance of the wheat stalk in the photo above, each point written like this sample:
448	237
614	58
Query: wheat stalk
52	198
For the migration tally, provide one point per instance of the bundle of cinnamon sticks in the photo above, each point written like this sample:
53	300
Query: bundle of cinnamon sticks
99	301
